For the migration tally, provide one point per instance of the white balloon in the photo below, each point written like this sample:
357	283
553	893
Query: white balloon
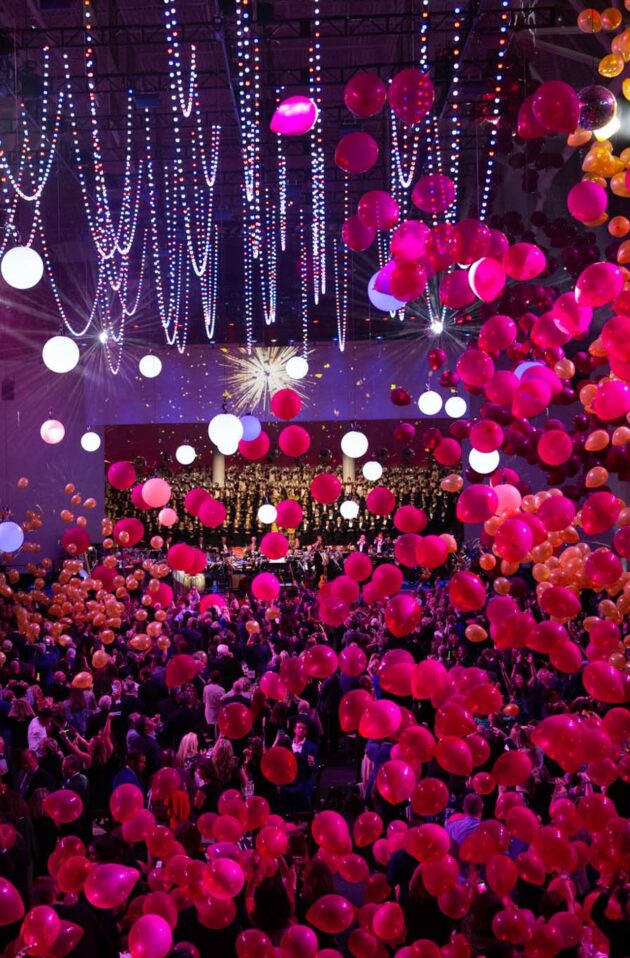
150	366
297	367
226	430
52	431
11	536
251	428
22	267
185	454
60	354
430	402
381	301
267	514
354	444
455	407
483	462
349	509
372	470
90	441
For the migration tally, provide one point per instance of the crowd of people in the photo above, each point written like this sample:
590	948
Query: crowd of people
84	717
248	486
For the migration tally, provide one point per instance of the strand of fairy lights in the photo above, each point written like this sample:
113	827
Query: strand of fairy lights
269	276
185	105
494	128
318	163
341	264
455	137
282	185
304	298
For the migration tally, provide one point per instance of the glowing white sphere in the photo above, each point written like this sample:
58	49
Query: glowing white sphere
349	509
382	301
483	462
297	367
228	448
22	267
267	514
185	454
90	441
60	354
430	403
251	428
52	431
455	407
354	444
11	537
372	470
226	430
150	366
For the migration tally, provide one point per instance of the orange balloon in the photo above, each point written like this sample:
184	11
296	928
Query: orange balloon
619	226
595	477
589	21
611	19
476	633
596	440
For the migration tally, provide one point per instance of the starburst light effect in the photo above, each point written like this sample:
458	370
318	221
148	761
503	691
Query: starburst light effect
252	378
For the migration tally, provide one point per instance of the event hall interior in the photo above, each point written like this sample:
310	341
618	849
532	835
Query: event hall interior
314	479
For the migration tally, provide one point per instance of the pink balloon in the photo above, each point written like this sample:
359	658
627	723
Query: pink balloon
559	602
467	592
528	126
224	878
455	290
572	318
121	475
587	201
138	828
358	566
555	447
486	436
352	660
326	488
289	514
331	914
475	368
365	94
444	248
356	153
402	614
126	802
40	929
380	719
11	904
410	519
395	781
77	538
606	683
194	499
448	452
285	403
167	517
612	400
320	661
109	885
212	513
156	493
513	540
487	279
477	503
453	755
411	95
431	552
255	449
180	669
501	387
598	284
600	512
137	500
434	194
298	941
524	261
603	567
63	806
378	210
408	281
235	721
531	398
476	237
380	501
279	765
294	116
150	936
556	513
387	579
294	441
616	337
556	106
130	529
274	545
356	235
409	240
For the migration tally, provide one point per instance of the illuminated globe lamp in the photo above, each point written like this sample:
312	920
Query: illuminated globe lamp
251	428
60	354
11	537
185	454
226	431
22	267
430	403
372	471
90	441
150	366
349	509
455	407
354	444
483	463
297	367
267	514
52	431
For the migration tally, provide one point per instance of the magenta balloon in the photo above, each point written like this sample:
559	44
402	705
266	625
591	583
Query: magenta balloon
380	719
358	567
555	105
326	488
434	194
621	542
410	519
598	284
455	291
356	235
531	398
467	592
527	125
133	528
380	501
548	333
395	781
379	210
289	514
475	237
294	116
408	281
285	403
352	660
487	279
193	500
475	368
448	452
254	449
137	500
616	337
109	885
405	549
486	436
499	244
150	936
387	578
606	683
274	545
497	333
356	153
431	552
524	261
365	94
265	586
587	201
571	317
603	567
513	540
121	475
76	537
212	513
454	755
411	95
555	447
600	512
331	914
477	503
409	240
294	441
559	602
556	513
612	400
501	387
11	904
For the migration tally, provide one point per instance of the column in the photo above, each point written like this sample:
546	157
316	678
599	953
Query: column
218	469
348	468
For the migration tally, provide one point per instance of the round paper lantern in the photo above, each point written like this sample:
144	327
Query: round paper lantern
60	354
349	509
286	404
74	540
294	441
356	235
11	537
266	587
225	430
378	209
22	267
296	368
121	475
372	471
185	454
430	403
455	407
150	366
267	514
354	444
156	493
90	441
326	488
212	513
255	449
289	514
411	95
365	94
251	425
356	153
434	193
294	116
52	431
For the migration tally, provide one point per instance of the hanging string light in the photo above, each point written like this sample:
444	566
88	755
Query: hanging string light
318	163
282	184
303	287
456	127
494	120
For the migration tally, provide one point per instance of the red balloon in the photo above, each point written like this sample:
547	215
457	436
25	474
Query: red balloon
408	281
235	720
379	210
289	514
252	943
75	540
298	941
497	333
320	661
40	929
388	922
266	587
434	194
356	235
431	552
453	754
380	719
512	769
395	781
193	500
387	579
212	513
358	567
121	475
109	885
351	708
150	936
556	106
63	806
410	519
455	290
524	261
365	94
331	914
255	449
606	683
475	368
126	802
411	95
600	512
380	501
274	545
286	403
180	669
128	531
294	441
441	875
402	614
356	153
467	592
326	488
279	765
408	243
477	503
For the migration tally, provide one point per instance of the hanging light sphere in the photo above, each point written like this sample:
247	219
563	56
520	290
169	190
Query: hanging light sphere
226	430
150	366
11	537
598	106
349	509
483	462
22	267
430	403
455	407
60	354
297	367
251	428
52	431
354	444
90	441
372	471
185	454
267	514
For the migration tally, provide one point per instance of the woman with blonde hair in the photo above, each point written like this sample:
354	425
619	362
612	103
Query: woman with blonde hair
187	752
226	765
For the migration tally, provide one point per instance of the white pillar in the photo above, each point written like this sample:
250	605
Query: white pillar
218	469
348	468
